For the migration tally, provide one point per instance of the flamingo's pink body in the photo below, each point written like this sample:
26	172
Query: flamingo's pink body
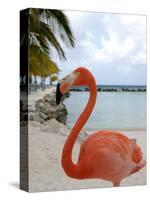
105	154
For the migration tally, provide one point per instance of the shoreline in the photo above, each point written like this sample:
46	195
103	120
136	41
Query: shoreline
111	129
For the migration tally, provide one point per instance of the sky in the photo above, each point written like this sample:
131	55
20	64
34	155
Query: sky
112	46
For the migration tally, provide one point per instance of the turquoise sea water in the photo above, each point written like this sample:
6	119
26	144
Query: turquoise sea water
113	110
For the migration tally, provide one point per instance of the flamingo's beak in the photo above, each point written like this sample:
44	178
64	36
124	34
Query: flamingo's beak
58	94
64	84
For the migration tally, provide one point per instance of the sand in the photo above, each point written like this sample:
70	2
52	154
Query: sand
45	147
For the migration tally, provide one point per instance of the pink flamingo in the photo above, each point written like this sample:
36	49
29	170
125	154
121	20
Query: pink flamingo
105	154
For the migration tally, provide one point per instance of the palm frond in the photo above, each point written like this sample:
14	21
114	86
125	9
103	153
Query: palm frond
40	64
60	23
49	35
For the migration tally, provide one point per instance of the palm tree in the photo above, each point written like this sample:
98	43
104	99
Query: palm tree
48	30
40	65
45	26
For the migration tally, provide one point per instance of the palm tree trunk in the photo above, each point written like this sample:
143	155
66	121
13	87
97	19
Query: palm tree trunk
30	84
44	83
35	83
50	81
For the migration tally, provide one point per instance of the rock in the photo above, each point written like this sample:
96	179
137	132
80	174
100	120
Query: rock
50	115
60	107
43	106
51	98
38	118
48	97
46	109
61	117
51	108
39	104
43	116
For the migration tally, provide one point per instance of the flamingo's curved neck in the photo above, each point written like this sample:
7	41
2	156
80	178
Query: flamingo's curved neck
72	169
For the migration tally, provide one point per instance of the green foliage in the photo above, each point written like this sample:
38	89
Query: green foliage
40	64
54	78
47	28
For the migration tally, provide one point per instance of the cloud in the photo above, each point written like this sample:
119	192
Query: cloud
111	44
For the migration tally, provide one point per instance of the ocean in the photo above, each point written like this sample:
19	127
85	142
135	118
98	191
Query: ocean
113	110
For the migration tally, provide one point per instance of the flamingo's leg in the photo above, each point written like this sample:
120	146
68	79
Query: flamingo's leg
116	184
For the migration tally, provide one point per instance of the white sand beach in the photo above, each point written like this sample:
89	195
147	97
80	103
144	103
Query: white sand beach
45	146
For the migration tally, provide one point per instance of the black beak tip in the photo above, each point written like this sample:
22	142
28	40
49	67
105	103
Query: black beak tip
58	94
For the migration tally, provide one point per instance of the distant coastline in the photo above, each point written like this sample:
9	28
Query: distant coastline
102	88
113	88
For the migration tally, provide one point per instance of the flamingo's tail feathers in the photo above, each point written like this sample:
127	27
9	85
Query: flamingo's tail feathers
137	159
137	154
